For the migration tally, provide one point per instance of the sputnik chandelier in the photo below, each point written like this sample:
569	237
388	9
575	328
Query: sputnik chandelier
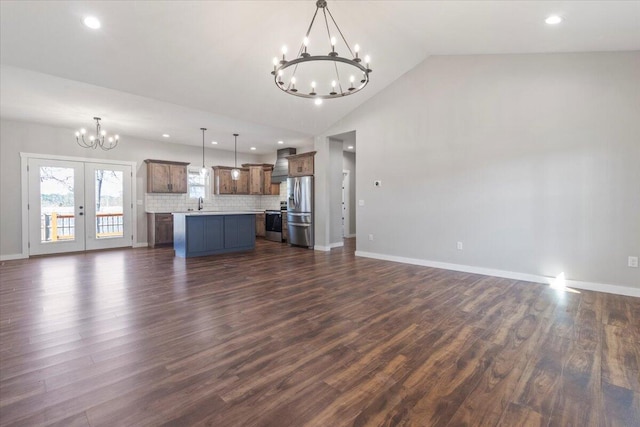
99	140
288	73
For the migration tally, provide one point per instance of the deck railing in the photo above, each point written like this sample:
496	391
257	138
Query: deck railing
57	226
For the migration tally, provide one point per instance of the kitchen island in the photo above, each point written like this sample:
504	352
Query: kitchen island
200	233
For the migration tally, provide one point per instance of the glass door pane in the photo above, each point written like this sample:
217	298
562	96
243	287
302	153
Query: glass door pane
109	215
56	206
109	199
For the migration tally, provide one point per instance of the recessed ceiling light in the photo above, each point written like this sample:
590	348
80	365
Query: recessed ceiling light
165	135
553	20
350	147
280	142
214	142
253	148
91	22
318	101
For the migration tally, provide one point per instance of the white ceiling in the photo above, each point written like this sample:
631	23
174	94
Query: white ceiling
174	67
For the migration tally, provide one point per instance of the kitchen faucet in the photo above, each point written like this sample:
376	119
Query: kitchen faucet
200	203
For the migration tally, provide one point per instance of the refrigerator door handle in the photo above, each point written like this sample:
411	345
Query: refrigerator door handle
300	224
299	214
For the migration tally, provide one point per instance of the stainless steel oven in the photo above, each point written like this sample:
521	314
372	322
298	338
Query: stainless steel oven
273	225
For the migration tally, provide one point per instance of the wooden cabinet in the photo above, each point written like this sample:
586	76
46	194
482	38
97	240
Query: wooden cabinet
256	179
223	183
301	164
159	229
260	225
166	177
270	189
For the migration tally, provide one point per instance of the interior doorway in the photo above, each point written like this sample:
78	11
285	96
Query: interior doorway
78	205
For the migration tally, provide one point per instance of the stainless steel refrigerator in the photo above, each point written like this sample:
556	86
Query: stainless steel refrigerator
300	210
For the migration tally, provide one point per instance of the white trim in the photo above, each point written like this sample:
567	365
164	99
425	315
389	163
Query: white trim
589	286
329	247
24	183
140	245
11	257
348	236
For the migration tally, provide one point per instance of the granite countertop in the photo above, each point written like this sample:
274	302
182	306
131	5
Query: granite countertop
204	212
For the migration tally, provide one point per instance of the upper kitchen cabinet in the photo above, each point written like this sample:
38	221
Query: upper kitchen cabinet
260	179
269	189
223	183
301	164
166	177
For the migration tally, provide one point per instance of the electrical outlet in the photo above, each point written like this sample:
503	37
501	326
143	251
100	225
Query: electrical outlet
633	262
370	236
460	246
377	183
360	202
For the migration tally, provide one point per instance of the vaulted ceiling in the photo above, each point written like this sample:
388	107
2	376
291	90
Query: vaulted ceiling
173	67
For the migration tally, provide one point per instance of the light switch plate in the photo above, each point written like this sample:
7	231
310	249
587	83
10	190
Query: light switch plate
360	202
633	262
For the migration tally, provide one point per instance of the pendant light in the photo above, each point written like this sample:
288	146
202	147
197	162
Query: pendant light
203	172
235	173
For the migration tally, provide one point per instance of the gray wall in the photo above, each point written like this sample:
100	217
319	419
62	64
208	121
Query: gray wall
532	161
16	137
349	164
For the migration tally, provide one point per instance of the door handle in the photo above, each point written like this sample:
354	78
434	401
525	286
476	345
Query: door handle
80	213
80	207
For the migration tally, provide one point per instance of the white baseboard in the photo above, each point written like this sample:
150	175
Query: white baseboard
329	247
589	286
348	236
13	256
140	245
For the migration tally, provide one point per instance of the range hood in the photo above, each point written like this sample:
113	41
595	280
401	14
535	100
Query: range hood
281	168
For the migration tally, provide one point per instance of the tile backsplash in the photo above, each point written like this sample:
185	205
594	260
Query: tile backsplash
158	202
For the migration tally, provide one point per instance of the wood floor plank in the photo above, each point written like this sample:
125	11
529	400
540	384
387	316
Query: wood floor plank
284	336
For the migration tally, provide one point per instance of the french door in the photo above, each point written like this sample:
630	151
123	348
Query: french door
76	206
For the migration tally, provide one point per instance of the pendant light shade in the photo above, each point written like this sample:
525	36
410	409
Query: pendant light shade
235	173
203	172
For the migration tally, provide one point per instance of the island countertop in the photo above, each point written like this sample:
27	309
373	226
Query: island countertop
196	213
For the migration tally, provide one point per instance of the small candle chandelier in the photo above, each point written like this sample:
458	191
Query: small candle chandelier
285	70
99	140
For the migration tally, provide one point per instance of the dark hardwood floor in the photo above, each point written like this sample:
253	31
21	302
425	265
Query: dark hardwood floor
286	336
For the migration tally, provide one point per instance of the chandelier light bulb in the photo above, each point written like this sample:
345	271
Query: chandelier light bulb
77	134
356	48
110	139
103	132
313	85
91	138
284	50
293	80
333	88
318	101
117	137
333	41
352	79
367	59
305	41
83	131
275	61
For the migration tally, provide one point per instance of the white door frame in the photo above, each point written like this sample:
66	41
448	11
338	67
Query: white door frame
24	187
346	198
